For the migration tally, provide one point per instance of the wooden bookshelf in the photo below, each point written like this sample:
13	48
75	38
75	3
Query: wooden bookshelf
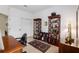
36	28
54	29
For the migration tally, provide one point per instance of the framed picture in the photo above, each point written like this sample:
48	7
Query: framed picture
45	23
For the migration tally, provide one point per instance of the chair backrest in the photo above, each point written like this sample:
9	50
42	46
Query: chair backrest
24	37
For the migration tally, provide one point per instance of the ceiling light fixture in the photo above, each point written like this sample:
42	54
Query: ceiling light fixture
25	6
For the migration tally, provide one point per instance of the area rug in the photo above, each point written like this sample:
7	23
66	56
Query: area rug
40	45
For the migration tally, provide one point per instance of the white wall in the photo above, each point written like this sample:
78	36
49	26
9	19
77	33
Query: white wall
4	9
15	17
16	25
68	14
27	26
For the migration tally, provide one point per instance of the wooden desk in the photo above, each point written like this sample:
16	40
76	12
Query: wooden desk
11	45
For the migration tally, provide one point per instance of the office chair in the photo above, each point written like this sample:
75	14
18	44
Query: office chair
23	39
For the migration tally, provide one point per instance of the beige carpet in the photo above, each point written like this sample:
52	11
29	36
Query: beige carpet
31	49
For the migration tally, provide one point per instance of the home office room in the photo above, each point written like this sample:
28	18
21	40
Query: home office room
39	29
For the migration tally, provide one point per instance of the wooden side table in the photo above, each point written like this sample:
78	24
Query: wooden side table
64	48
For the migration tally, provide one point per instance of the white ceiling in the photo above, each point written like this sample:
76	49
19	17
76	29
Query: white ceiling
32	8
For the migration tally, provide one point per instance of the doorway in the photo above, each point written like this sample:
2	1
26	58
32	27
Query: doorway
3	23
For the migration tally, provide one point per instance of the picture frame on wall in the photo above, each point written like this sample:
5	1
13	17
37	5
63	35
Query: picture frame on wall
45	23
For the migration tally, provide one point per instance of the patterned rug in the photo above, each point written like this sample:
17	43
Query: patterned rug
40	45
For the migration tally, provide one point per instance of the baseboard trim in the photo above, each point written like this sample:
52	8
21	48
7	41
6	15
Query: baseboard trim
29	36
